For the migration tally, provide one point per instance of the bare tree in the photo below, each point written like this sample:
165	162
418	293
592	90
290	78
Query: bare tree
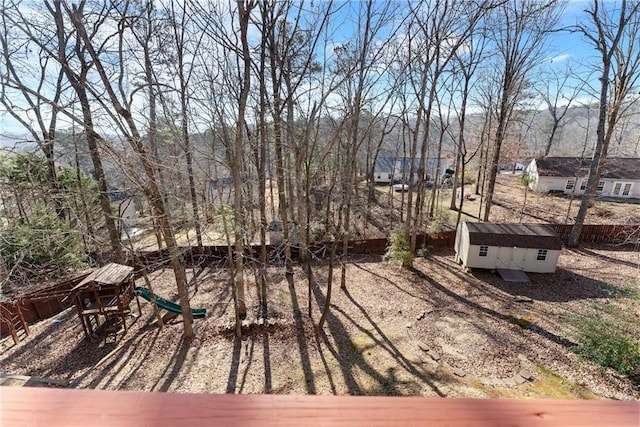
18	58
244	11
519	30
360	63
437	31
558	96
615	34
61	45
117	97
186	46
465	69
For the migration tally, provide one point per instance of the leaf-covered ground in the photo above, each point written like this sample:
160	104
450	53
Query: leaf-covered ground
434	331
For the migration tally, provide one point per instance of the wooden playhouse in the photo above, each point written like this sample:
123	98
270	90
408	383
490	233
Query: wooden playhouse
106	294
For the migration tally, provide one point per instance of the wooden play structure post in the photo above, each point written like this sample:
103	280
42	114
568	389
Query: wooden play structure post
107	291
11	315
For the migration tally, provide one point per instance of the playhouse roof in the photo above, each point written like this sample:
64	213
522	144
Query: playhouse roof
537	236
110	274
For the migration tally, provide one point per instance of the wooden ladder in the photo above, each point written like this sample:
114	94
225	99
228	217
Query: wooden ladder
11	315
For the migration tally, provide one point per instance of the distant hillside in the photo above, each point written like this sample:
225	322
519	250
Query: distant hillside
577	134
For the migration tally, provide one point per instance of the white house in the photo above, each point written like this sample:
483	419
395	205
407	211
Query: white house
395	170
620	176
531	248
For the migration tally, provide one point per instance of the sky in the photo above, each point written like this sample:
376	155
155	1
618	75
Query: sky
566	48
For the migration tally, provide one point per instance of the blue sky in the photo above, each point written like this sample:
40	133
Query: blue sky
565	48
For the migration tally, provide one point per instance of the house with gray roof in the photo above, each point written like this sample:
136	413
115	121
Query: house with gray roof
531	248
393	170
620	176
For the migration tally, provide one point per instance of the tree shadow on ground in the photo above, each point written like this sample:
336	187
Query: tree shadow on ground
83	356
130	350
386	344
301	338
177	362
485	310
252	337
137	354
625	248
232	379
266	360
567	286
350	355
46	337
391	282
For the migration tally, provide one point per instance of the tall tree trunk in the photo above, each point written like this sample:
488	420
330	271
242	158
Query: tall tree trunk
627	67
327	301
495	159
244	8
153	191
184	121
79	82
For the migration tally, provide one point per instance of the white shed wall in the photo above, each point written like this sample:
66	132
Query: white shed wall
461	245
474	260
524	259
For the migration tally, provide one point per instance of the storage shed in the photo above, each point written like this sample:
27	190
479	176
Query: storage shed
531	248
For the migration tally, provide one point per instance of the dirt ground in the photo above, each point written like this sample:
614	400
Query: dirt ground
433	331
374	340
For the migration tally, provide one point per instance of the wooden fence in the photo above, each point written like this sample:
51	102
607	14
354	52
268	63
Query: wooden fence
49	302
596	233
38	305
199	256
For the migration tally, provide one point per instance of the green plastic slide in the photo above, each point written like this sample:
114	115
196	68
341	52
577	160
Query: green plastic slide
164	304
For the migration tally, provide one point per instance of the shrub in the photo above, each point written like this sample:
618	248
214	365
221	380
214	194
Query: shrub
602	342
43	247
399	249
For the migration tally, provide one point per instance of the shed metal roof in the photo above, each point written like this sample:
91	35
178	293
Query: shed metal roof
536	236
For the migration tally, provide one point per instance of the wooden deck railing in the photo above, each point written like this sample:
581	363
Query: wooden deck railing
56	407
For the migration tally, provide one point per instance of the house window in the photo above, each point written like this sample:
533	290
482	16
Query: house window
542	254
622	189
600	186
570	184
616	188
484	250
583	184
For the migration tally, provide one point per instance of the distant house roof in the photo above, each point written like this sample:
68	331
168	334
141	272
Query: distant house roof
614	167
403	164
537	236
385	164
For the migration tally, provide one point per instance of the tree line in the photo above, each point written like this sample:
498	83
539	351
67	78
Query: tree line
291	103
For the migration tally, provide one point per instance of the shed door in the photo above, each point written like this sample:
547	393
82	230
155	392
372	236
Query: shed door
518	256
503	260
511	258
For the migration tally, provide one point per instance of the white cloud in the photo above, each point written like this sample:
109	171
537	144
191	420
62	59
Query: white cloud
560	58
